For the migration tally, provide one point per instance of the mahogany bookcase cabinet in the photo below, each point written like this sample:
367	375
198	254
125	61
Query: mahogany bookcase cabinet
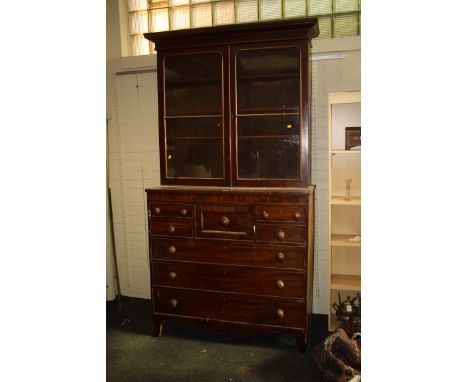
231	227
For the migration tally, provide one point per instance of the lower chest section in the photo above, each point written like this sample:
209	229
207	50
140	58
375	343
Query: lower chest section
231	257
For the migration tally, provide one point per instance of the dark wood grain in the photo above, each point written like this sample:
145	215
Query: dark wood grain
171	227
230	307
224	221
281	213
171	210
220	246
229	252
272	233
264	32
239	279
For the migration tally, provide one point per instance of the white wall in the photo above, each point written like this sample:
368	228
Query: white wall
131	101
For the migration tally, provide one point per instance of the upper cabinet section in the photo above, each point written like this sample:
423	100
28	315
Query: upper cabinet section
234	104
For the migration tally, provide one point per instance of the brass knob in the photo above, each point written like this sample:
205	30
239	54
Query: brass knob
280	256
172	275
173	303
280	313
183	212
281	235
157	211
297	215
265	214
171	250
225	221
280	284
171	229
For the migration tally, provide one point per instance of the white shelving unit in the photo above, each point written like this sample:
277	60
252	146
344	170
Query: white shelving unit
344	110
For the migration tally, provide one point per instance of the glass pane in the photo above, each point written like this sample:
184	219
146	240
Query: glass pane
193	84
223	12
345	25
247	11
159	4
323	7
201	15
268	158
139	45
325	26
295	8
138	23
136	5
194	147
345	6
174	3
270	9
268	80
159	20
181	17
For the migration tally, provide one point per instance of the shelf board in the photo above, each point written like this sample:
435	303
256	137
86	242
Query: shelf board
346	282
338	200
270	76
192	138
345	152
185	81
248	112
279	136
343	241
207	114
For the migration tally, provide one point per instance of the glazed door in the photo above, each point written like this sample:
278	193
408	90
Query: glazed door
192	95
270	112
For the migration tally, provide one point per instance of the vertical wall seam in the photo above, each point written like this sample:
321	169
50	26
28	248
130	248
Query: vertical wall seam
121	185
140	140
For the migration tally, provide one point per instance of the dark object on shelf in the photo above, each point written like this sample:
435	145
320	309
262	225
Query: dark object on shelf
338	357
346	309
353	137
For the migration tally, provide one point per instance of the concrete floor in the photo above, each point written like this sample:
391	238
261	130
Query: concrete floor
184	354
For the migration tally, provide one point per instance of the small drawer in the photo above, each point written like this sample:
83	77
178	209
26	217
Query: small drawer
229	252
239	279
171	210
229	307
224	221
281	213
171	227
281	233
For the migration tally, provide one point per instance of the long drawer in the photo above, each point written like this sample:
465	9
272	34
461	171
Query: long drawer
229	252
240	279
229	307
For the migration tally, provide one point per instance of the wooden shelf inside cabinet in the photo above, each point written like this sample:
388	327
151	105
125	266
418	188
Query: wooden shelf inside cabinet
187	81
339	200
268	136
345	152
343	241
346	282
193	138
245	112
270	76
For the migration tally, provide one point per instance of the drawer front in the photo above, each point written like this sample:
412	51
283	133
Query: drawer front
224	221
260	281
171	227
281	213
229	307
171	210
281	233
228	252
